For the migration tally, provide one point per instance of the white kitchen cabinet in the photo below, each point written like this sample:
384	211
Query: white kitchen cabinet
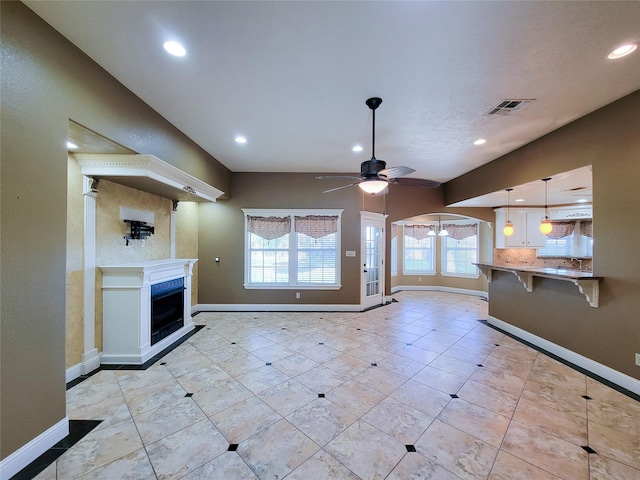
526	228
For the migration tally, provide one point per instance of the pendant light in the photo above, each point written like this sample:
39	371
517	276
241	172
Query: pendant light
545	224
508	226
441	232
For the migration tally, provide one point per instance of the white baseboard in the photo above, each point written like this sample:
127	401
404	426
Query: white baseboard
90	362
272	307
438	288
608	373
26	454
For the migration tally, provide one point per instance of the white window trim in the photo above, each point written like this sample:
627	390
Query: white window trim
575	247
434	253
443	256
292	212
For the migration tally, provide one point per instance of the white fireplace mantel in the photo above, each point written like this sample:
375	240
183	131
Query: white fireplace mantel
126	292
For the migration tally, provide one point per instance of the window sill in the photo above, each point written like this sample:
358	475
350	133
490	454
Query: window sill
290	287
461	275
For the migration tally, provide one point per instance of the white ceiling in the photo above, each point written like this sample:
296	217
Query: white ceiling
293	76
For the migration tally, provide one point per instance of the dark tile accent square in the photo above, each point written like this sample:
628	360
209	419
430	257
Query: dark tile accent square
268	364
283	328
163	363
453	395
410	448
374	364
320	343
233	343
321	395
497	344
232	447
189	395
588	449
587	397
358	329
480	365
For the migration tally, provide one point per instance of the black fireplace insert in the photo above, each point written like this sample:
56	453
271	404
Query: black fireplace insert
167	308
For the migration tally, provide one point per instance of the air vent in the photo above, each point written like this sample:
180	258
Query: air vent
509	107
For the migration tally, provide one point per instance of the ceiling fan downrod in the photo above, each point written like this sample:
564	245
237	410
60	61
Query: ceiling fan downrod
373	103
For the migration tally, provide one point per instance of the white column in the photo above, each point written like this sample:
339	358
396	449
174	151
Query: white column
91	356
172	226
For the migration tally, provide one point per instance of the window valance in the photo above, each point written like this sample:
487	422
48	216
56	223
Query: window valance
460	232
269	228
316	226
561	229
419	232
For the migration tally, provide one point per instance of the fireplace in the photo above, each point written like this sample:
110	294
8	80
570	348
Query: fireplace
146	308
167	308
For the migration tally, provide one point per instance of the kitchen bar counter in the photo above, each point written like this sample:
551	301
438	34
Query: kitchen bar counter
587	283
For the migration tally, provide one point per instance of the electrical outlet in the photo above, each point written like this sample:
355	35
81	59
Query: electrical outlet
419	279
297	294
638	359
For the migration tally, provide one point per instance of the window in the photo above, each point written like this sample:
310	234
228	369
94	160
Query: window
292	248
569	239
419	250
394	250
458	256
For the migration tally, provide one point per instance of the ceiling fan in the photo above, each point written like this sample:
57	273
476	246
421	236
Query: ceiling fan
374	174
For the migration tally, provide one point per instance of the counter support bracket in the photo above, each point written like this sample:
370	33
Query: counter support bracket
526	279
590	289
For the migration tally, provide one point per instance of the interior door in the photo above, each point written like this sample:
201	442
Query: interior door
372	255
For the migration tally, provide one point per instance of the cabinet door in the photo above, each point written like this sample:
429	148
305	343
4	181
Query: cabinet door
535	238
519	237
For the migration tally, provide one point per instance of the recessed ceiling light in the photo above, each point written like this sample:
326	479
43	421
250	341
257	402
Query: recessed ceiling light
240	139
480	141
357	148
175	49
582	200
519	199
623	51
71	146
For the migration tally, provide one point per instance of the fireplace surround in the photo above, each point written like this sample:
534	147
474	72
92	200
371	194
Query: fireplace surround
146	308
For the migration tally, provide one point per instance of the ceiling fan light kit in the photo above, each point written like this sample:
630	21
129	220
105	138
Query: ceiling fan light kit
374	174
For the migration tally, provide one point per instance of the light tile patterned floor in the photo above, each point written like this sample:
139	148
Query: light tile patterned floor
416	389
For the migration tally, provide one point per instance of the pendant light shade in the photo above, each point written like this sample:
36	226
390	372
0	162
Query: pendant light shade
441	232
508	226
545	224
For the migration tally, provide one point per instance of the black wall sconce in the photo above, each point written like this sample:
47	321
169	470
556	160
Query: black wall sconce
139	231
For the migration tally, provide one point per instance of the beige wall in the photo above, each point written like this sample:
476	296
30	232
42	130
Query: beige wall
608	139
45	82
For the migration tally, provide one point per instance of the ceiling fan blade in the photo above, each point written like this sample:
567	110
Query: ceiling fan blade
338	177
415	182
395	172
340	188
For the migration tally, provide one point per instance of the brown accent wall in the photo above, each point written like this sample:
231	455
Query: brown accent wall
609	140
45	82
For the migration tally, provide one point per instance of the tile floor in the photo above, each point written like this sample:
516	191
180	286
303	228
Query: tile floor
419	388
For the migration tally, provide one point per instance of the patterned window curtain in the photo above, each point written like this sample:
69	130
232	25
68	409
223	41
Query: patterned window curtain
561	229
586	228
419	232
317	226
460	232
269	227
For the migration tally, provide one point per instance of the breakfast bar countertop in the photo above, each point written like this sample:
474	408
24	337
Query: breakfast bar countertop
559	273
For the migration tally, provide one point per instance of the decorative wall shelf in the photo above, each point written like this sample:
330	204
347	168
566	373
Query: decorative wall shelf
587	283
149	174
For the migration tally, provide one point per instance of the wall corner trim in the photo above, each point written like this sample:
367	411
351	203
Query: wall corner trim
608	373
26	454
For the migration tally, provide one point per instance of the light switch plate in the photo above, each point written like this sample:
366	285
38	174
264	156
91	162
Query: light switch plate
350	253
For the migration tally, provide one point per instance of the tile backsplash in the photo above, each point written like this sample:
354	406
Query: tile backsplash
528	256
